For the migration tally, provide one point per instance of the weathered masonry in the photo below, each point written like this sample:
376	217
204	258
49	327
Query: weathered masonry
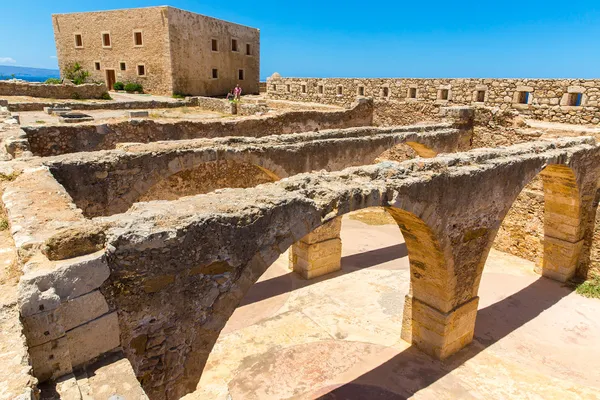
50	140
165	49
560	100
165	276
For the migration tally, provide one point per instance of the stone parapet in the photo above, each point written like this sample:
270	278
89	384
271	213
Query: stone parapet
573	101
32	89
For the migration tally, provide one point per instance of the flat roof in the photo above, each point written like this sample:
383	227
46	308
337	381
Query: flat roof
150	7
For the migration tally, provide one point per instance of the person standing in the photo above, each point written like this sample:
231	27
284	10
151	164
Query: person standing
237	92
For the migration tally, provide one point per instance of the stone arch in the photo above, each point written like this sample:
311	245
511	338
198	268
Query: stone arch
405	151
204	176
430	269
552	233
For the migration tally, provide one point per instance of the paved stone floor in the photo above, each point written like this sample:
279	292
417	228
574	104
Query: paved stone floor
338	337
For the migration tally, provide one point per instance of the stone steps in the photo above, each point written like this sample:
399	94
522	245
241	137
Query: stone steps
110	378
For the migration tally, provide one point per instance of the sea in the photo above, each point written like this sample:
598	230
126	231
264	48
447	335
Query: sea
29	78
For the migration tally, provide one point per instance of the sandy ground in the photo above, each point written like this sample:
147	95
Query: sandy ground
338	337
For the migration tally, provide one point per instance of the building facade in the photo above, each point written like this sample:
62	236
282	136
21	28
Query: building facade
166	50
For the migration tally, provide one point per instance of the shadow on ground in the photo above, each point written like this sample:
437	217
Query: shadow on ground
284	284
410	371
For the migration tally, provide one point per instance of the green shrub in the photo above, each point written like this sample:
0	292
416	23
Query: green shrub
76	73
590	288
178	96
3	223
53	81
133	87
105	96
119	86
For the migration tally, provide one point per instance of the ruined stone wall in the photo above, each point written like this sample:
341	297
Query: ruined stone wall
85	91
104	105
548	99
153	54
50	140
190	43
111	182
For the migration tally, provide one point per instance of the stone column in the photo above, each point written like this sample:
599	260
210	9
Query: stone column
438	333
560	258
319	252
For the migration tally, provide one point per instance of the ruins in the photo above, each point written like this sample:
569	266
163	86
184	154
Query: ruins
136	238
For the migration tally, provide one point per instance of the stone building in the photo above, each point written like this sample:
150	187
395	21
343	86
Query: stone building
165	49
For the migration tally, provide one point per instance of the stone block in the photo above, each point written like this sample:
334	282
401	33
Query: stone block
88	341
138	114
43	327
441	334
70	279
328	230
312	260
82	309
560	258
51	360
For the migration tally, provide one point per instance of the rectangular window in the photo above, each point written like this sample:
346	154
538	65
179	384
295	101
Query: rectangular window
320	89
106	39
78	40
303	88
215	73
241	74
412	93
215	45
248	49
274	88
385	91
340	90
123	66
361	90
481	96
523	98
141	70
234	45
575	99
288	88
443	94
137	38
97	66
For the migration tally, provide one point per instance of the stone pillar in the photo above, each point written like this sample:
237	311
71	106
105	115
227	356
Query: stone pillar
437	333
560	258
319	252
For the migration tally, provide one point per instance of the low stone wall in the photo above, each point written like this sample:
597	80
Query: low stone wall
50	140
214	104
104	105
85	91
543	99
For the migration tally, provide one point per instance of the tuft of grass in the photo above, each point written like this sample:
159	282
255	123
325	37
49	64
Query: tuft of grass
39	121
590	288
10	177
3	223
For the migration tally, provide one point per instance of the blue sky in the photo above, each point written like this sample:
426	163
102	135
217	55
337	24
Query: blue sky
334	38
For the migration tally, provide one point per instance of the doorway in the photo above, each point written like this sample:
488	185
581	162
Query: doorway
111	78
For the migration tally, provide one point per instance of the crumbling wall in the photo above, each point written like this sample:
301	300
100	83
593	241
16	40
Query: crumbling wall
50	140
85	91
548	99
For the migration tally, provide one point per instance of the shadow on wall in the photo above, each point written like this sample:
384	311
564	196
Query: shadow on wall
412	370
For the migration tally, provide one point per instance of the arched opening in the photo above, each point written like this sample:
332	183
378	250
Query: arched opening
363	300
208	177
406	151
544	223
